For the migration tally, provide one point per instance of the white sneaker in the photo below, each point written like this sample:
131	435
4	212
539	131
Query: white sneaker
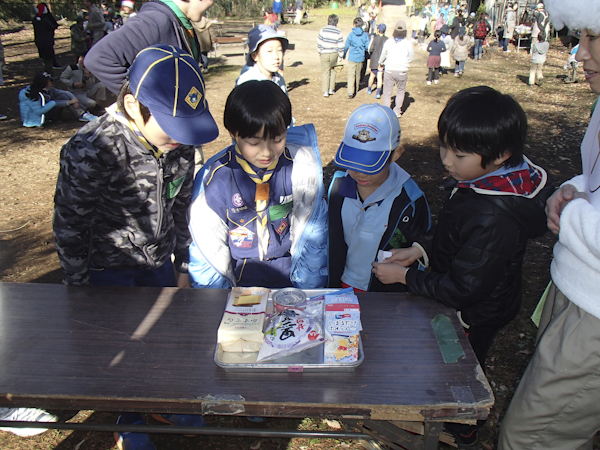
331	92
2	117
26	415
429	83
87	117
325	94
435	81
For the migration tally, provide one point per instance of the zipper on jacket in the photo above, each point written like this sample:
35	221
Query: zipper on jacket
159	204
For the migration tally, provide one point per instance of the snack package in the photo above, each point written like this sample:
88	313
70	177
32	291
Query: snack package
290	331
342	327
243	320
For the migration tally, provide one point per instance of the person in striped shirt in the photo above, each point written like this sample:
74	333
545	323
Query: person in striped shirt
330	46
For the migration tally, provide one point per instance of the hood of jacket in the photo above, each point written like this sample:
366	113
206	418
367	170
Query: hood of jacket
358	31
533	184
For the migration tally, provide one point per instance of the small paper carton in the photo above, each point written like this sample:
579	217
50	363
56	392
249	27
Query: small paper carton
342	328
241	328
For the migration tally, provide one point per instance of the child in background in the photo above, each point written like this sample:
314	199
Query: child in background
375	52
374	205
476	252
265	57
414	26
40	101
423	31
258	215
460	51
445	55
396	56
357	44
435	49
538	58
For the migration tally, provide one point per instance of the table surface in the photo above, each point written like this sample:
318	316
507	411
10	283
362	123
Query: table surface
152	349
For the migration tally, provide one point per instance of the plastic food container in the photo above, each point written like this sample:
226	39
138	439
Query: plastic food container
288	298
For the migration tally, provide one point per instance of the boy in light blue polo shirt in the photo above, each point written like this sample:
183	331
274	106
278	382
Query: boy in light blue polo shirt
375	205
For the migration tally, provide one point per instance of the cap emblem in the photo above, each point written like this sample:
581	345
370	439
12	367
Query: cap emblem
193	97
363	136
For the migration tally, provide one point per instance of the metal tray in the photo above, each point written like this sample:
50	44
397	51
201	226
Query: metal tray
310	360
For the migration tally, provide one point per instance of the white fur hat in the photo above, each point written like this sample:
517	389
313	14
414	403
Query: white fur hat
575	14
128	3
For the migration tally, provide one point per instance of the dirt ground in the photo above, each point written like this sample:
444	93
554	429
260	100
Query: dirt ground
558	114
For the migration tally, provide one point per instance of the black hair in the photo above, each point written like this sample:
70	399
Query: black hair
437	34
257	105
358	23
39	83
542	36
126	89
485	122
333	19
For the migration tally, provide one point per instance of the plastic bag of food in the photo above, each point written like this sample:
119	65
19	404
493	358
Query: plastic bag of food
289	332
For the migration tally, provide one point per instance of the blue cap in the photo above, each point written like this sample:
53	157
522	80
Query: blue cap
381	27
372	133
168	81
260	34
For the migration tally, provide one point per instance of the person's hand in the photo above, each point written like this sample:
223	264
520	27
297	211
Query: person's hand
183	280
74	102
557	202
389	273
77	85
403	256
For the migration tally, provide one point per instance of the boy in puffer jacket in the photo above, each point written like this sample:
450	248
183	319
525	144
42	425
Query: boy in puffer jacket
476	252
258	215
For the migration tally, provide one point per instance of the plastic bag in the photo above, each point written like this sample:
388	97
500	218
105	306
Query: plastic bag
292	331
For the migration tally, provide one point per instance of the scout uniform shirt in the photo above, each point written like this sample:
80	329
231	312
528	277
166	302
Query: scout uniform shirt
257	216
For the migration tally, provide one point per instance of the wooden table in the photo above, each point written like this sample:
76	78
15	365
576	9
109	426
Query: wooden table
151	350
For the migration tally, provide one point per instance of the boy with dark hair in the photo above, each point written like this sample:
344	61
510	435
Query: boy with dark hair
497	205
375	205
375	49
125	184
356	46
166	22
259	217
114	223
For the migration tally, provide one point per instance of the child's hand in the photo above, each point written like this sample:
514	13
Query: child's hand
403	256
389	273
557	202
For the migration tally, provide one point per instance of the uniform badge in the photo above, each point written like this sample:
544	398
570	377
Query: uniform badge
241	237
193	97
281	228
237	200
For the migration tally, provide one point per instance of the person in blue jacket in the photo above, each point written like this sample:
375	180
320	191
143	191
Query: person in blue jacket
278	9
40	101
357	44
258	215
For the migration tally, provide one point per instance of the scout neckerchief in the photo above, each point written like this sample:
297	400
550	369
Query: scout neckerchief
156	151
261	198
190	35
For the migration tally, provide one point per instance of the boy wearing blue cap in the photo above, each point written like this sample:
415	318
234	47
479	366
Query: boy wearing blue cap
375	205
125	184
258	215
126	178
265	56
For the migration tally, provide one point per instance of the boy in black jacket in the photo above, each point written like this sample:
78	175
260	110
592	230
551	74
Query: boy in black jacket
497	205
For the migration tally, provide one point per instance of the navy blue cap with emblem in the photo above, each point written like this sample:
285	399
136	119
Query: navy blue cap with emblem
372	133
168	81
